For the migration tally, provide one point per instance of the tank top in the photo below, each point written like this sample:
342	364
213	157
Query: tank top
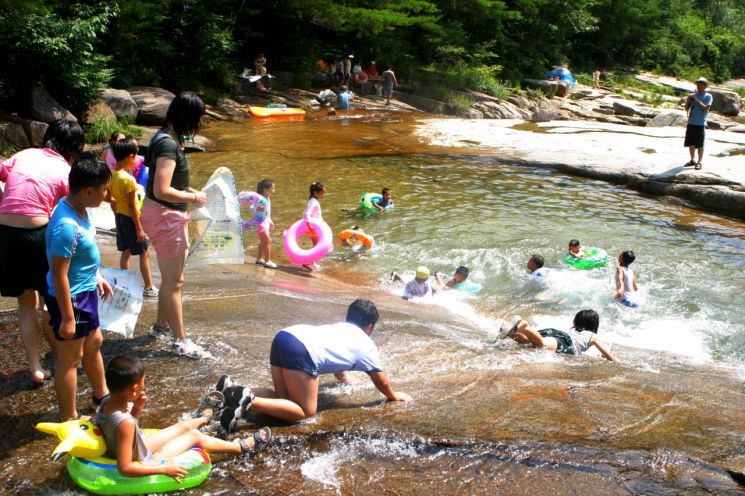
628	283
108	425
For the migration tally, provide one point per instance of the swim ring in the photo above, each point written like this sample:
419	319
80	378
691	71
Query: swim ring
255	200
368	199
351	237
592	258
299	255
89	469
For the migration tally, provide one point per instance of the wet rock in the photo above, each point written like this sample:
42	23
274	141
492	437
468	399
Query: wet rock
549	88
13	135
45	108
422	103
121	102
676	118
98	110
725	102
152	104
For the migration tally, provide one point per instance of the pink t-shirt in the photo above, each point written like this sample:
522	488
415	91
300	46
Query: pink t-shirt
35	180
111	162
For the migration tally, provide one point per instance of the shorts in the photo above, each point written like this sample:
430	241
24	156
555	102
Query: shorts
126	235
167	230
564	340
694	136
84	308
289	353
388	88
628	303
23	260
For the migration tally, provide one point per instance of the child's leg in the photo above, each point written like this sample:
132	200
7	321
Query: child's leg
157	440
147	277
93	363
194	437
526	334
265	244
69	354
124	260
29	327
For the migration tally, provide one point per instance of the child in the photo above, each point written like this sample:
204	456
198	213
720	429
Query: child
538	272
126	442
459	276
130	237
344	98
419	287
108	155
382	203
626	287
265	188
313	211
74	284
353	241
576	249
575	341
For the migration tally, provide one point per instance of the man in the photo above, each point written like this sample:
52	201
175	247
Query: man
389	80
299	354
697	105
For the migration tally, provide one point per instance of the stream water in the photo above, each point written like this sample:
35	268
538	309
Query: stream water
487	419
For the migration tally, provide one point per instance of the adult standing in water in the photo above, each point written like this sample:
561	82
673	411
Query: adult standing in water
165	213
35	180
697	105
389	80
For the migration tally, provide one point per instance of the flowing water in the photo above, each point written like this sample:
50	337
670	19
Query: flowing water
487	419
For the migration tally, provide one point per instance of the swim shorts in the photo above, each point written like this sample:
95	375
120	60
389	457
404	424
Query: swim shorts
84	310
563	339
289	352
126	235
23	260
694	136
167	230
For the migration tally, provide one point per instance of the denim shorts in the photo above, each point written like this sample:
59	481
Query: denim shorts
84	310
289	353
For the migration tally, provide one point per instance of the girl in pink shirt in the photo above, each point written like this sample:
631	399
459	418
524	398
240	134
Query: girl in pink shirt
35	180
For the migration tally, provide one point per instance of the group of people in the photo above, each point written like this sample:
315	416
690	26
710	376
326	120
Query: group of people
343	75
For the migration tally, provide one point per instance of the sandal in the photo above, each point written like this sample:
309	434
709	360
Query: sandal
699	166
214	401
261	438
96	402
690	163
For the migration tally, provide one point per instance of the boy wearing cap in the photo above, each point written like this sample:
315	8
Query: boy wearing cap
420	286
697	105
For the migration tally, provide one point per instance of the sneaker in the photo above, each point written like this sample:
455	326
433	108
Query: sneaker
260	261
160	331
150	292
189	348
270	265
507	331
230	417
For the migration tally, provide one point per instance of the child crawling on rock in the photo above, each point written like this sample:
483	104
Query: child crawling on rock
126	442
575	341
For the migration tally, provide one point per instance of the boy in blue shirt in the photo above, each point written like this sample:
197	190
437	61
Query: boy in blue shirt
73	284
697	105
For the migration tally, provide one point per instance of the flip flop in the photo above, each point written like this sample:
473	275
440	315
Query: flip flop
261	438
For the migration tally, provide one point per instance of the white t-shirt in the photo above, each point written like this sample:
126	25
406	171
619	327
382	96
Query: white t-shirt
338	347
581	340
312	209
540	275
414	289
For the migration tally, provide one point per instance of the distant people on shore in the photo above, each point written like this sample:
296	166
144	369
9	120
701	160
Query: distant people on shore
260	65
347	68
36	179
697	105
389	82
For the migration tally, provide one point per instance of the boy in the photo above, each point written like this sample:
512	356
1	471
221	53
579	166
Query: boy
344	98
419	287
385	201
576	249
626	287
126	442
697	105
575	341
74	284
537	271
130	237
459	276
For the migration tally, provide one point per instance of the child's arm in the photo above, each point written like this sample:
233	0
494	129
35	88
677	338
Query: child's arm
384	386
60	266
111	200
636	288
619	283
139	404
125	437
341	377
601	348
132	203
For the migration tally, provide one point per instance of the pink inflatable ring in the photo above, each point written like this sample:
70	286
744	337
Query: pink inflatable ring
299	255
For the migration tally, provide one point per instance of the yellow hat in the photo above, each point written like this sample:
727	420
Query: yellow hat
422	272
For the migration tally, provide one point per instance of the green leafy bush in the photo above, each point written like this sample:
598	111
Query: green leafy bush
103	127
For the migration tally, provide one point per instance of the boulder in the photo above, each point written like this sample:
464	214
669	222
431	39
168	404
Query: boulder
12	134
725	102
470	113
45	108
674	118
121	102
549	88
422	103
520	101
545	115
629	109
98	110
152	104
716	122
34	129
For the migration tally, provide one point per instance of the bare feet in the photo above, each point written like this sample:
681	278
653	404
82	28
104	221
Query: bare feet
39	376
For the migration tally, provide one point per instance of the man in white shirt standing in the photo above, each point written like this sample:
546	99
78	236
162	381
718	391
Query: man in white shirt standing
299	355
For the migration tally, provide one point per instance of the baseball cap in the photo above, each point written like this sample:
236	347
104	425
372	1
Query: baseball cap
702	80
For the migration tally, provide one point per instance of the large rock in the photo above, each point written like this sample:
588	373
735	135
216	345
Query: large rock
12	134
121	102
422	103
152	104
98	110
45	108
725	102
34	129
545	115
674	118
549	88
629	109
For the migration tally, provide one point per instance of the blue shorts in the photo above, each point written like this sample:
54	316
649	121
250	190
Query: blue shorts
628	303
84	309
126	235
289	353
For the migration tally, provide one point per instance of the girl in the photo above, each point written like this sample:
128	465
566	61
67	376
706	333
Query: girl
108	154
266	189
313	211
626	287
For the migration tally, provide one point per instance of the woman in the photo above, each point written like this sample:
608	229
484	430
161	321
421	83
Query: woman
165	215
35	180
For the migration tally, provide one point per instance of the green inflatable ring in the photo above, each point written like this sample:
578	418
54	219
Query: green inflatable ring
100	475
368	199
592	258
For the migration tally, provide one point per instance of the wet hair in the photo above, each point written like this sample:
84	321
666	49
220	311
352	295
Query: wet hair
124	148
385	190
88	171
65	137
344	88
537	261
123	371
112	138
574	243
355	228
362	313
264	186
627	257
184	114
587	320
316	187
462	270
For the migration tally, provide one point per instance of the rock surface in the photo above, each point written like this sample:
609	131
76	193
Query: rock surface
549	88
152	104
725	102
674	118
45	108
121	102
12	134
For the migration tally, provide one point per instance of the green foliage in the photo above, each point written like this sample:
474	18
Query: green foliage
7	150
103	127
740	90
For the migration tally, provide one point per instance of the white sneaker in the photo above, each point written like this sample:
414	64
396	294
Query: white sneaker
270	265
260	261
508	330
160	332
151	292
189	348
